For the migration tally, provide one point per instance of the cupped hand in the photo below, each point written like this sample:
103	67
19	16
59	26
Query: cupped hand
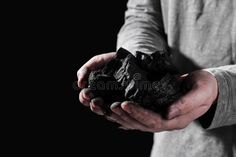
203	91
86	97
196	102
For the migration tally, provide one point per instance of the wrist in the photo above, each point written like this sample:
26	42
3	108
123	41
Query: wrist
214	82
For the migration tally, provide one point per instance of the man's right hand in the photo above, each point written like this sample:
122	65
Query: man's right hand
86	97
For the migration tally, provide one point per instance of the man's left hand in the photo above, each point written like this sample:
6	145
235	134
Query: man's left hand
202	94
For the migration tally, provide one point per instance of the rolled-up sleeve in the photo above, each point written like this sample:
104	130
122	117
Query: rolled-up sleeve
225	112
143	28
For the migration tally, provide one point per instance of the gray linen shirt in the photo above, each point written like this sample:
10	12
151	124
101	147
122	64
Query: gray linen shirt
201	34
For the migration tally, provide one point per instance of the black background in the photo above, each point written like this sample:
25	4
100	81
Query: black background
64	36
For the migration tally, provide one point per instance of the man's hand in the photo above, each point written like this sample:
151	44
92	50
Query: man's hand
202	94
85	96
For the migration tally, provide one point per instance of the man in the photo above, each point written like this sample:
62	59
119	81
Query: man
201	35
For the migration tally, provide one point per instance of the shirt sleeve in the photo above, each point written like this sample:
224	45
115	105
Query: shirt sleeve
143	29
225	109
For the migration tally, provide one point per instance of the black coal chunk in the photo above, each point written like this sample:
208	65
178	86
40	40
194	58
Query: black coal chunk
148	80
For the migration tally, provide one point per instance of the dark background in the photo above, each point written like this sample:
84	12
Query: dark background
64	36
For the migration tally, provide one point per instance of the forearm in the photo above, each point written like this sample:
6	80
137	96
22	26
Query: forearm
225	112
143	28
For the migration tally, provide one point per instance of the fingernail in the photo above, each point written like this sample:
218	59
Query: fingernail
89	95
114	105
173	113
110	118
126	107
97	101
94	106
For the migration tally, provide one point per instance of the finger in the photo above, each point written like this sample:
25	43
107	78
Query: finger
146	117
96	106
183	120
116	118
94	63
82	98
87	94
193	99
116	108
83	74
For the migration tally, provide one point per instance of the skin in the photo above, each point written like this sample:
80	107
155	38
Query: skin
202	94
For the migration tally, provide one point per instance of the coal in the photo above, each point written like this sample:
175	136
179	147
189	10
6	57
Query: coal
148	80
